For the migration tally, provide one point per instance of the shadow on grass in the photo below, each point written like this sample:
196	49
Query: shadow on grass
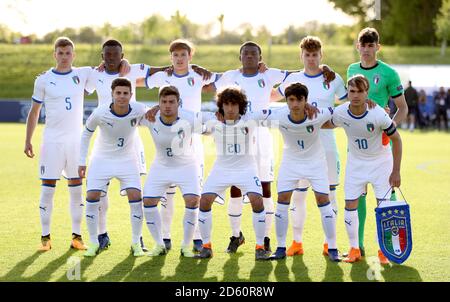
300	270
148	271
45	274
333	272
231	268
119	271
189	269
359	271
281	271
400	273
15	274
261	270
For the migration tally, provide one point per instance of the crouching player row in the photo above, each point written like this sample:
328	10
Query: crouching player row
369	161
113	156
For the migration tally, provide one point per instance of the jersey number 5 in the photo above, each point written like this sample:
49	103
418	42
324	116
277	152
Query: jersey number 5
68	103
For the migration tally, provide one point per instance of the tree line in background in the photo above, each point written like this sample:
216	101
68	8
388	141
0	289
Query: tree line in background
403	22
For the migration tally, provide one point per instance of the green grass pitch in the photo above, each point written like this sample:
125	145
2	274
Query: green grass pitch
425	183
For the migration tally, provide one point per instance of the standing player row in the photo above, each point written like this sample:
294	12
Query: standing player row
257	86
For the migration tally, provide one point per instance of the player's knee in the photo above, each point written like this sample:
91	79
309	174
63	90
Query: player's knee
191	201
351	204
134	194
151	202
51	182
256	201
93	195
284	197
266	189
206	202
74	182
322	199
235	192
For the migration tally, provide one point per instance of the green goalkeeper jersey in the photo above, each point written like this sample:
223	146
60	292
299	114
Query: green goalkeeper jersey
383	80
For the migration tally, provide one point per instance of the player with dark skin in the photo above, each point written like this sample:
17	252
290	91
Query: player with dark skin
251	60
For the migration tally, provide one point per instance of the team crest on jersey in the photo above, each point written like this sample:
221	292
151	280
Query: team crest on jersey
76	80
326	85
400	88
190	81
244	130
181	134
261	83
370	127
310	128
376	79
394	232
133	122
42	170
142	66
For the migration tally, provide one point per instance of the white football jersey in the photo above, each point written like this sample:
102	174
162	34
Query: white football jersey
101	82
173	142
117	133
364	132
189	85
301	139
320	94
236	143
63	96
257	87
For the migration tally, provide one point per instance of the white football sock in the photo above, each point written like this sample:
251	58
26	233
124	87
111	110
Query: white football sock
190	223
259	225
352	225
92	219
205	225
46	207
76	207
103	210
153	219
281	223
270	209
136	216
167	211
235	215
298	214
329	224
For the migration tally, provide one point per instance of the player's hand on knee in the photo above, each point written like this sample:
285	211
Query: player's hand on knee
394	179
82	171
151	114
28	150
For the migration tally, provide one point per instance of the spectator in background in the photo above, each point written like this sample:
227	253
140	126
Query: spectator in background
412	99
440	101
448	102
422	115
